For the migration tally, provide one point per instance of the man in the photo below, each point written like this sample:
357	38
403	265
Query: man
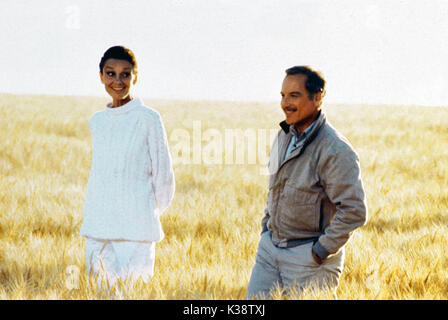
316	197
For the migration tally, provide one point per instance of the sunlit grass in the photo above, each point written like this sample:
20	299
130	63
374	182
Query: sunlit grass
212	226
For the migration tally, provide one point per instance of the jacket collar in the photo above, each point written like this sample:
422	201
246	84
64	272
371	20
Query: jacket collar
319	122
287	127
284	126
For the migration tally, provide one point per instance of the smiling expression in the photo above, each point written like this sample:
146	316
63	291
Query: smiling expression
299	109
117	77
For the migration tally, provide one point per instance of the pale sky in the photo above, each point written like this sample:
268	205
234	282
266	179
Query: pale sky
391	52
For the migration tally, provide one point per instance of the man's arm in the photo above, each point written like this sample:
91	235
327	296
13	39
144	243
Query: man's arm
341	178
264	221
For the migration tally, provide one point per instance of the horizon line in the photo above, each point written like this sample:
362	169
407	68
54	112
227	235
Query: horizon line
334	103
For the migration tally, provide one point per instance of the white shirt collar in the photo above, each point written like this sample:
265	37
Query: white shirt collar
124	108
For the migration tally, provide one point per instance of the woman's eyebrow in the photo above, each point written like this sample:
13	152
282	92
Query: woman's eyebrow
124	69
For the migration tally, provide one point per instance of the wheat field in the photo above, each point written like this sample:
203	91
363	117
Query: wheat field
213	224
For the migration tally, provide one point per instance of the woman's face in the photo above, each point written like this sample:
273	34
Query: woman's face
118	78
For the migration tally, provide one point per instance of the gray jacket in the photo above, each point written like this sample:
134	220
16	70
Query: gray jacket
316	193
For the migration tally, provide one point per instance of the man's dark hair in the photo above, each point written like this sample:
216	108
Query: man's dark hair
121	53
315	82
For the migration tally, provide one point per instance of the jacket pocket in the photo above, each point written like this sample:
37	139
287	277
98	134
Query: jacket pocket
299	209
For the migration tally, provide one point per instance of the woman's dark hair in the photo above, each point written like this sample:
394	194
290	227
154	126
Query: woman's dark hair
315	82
121	53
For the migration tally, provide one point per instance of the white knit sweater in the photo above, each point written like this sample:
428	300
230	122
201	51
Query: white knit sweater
131	180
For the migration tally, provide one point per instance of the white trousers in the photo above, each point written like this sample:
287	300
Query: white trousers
120	259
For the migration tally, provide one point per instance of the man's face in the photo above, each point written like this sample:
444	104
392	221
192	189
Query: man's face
299	109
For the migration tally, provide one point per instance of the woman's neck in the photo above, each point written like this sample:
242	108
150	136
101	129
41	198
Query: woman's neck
119	103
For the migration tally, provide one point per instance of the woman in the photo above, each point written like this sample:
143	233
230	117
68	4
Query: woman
131	180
